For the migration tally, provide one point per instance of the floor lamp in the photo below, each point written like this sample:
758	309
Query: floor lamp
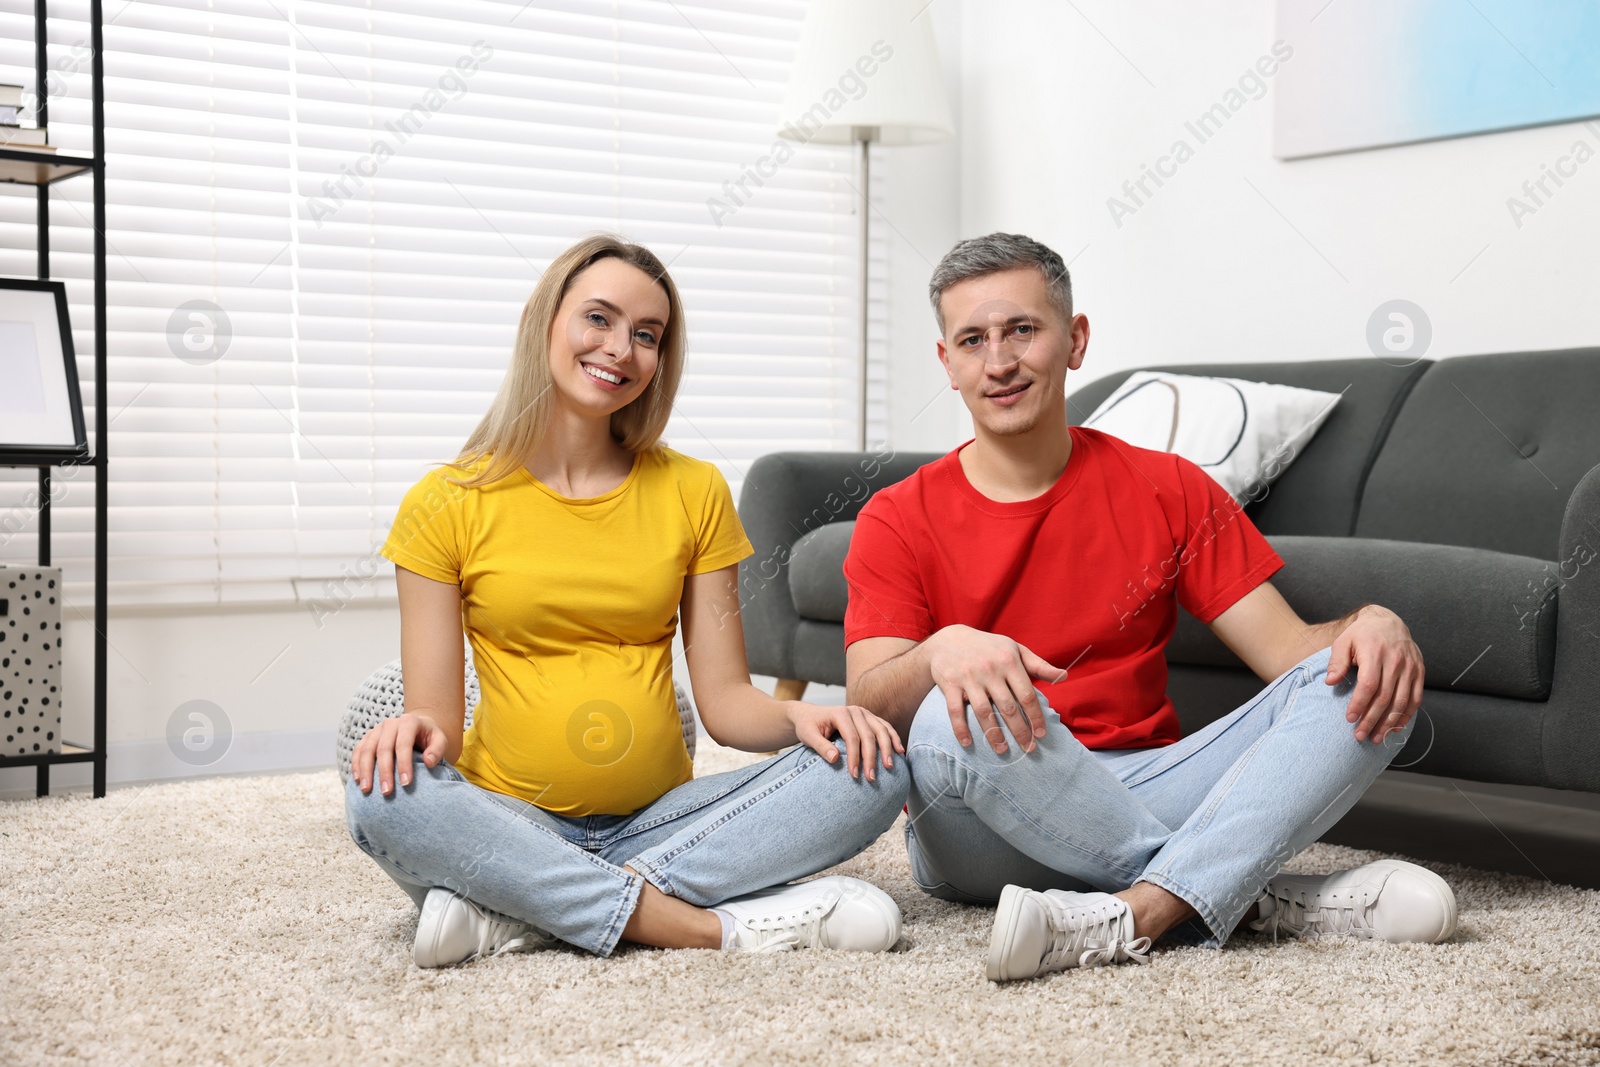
866	72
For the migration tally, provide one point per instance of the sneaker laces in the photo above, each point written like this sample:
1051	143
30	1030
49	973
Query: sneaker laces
787	931
1346	913
1092	932
499	933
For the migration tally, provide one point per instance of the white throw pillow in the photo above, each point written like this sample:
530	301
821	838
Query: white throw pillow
1244	434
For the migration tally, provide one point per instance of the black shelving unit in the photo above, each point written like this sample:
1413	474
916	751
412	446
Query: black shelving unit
43	169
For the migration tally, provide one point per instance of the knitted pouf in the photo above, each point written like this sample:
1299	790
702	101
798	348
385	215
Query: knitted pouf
382	696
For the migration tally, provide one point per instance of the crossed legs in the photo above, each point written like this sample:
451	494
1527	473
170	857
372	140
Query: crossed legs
648	876
1197	827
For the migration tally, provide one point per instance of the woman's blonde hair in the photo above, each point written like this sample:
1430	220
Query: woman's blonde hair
516	421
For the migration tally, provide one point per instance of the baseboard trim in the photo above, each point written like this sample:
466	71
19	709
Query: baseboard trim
151	760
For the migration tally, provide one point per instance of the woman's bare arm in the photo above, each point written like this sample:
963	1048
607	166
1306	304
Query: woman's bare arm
434	669
739	715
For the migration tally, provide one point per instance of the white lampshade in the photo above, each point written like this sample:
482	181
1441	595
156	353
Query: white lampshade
866	63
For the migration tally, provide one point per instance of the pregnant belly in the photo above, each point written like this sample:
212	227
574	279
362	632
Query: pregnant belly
587	754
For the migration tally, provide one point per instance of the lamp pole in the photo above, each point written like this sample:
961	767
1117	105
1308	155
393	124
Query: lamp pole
883	41
864	136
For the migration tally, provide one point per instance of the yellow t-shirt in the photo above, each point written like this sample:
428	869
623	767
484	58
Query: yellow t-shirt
571	606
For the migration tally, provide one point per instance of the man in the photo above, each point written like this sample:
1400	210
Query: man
1014	560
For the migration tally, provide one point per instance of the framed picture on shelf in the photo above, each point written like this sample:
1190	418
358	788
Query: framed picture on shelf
41	408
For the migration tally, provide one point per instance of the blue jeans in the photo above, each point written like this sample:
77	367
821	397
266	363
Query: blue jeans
704	842
1210	818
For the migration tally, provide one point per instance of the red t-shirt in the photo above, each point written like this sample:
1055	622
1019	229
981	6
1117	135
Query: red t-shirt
1089	575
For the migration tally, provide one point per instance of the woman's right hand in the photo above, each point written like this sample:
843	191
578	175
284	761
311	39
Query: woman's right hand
387	750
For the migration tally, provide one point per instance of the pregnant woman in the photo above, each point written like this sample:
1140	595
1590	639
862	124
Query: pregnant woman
568	542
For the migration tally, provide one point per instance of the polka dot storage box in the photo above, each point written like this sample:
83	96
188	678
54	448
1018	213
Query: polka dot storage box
30	660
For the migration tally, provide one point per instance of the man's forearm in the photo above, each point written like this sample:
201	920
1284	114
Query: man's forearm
1310	639
1323	634
1270	636
895	688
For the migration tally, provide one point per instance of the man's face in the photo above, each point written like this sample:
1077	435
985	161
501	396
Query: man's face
1008	349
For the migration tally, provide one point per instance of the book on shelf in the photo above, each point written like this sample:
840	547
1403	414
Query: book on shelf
35	140
11	108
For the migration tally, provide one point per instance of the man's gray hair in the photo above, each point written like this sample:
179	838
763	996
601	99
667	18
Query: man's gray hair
995	252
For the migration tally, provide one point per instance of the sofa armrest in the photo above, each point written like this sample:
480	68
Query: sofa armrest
786	495
1572	720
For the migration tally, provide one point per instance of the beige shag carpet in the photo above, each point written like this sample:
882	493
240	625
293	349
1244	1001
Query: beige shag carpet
231	921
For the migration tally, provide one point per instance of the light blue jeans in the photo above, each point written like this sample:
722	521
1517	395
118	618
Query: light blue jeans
704	842
1210	818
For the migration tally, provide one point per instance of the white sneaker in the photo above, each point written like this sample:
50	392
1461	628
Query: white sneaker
452	929
1390	900
833	912
1039	932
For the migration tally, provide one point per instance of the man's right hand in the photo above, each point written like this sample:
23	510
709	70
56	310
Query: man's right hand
387	750
995	675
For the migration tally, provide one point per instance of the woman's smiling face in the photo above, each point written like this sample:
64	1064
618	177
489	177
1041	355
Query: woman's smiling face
605	341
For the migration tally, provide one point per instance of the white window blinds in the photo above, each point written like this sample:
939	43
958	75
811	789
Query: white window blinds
367	193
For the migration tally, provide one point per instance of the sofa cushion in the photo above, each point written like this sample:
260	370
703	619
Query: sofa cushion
1486	451
816	572
1485	621
1449	737
1319	492
819	651
1492	612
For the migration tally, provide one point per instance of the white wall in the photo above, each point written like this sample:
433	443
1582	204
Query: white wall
280	679
281	676
920	213
1054	120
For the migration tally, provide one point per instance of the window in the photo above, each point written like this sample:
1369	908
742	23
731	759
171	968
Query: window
324	218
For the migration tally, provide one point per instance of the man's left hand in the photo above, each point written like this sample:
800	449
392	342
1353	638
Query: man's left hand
1390	672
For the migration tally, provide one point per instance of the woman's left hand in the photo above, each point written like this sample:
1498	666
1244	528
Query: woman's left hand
866	737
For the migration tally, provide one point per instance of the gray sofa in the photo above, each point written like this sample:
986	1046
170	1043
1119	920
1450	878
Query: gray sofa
1463	493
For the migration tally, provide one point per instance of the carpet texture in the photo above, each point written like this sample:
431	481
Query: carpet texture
232	921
